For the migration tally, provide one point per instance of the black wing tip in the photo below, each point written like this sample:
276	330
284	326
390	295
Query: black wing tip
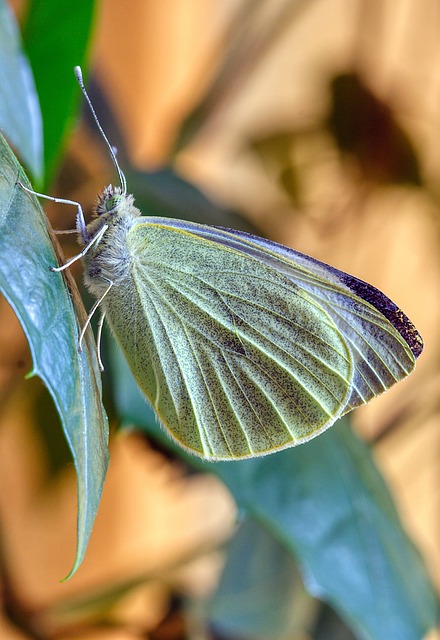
408	331
389	309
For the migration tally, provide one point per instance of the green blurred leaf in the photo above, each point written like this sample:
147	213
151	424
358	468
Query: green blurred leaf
165	193
56	36
44	307
260	593
327	501
20	116
328	504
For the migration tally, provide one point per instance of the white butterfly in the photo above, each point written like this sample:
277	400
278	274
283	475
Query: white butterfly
243	346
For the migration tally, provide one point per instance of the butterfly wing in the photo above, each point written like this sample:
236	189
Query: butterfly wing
244	346
237	359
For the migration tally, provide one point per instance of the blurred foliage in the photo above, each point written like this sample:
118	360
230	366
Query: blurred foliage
323	507
52	53
364	130
365	127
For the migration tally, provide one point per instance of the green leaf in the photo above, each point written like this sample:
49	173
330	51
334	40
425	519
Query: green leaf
327	501
56	35
165	193
328	504
44	307
20	116
260	593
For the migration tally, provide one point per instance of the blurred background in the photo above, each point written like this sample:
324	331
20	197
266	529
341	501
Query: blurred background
312	122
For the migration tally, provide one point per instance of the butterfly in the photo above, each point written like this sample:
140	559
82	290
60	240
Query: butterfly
243	346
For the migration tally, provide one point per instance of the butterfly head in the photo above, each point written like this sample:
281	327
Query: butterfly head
113	203
111	199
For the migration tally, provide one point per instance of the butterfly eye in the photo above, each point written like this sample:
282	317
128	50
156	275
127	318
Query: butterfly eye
111	203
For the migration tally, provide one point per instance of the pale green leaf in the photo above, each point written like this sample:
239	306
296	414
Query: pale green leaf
44	307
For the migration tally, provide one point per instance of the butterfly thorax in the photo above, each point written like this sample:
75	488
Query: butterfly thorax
109	258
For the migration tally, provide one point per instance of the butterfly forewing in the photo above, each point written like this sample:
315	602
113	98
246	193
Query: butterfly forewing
382	341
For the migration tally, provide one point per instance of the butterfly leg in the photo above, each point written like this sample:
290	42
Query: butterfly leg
82	253
81	226
98	340
89	317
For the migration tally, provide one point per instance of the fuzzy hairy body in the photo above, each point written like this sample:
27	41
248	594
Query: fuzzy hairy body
109	259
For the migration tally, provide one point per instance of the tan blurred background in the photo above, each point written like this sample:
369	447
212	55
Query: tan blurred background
266	145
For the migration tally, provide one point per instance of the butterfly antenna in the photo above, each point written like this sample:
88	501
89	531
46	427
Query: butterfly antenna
122	180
